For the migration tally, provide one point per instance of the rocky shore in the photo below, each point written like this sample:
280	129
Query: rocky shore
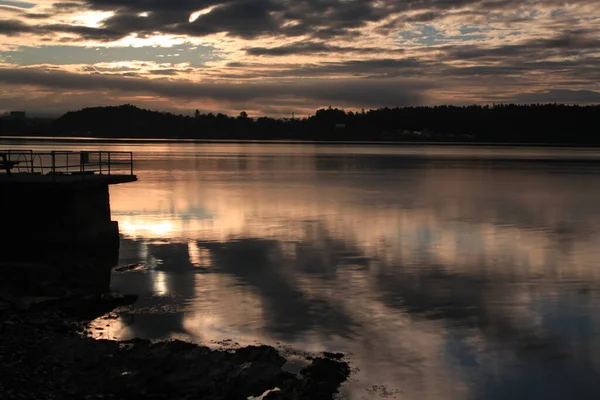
45	354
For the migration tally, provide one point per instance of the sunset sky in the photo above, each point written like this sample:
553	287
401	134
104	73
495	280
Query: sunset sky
275	57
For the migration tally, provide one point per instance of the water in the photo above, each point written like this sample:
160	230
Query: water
443	272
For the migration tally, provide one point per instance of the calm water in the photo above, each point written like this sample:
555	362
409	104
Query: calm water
444	272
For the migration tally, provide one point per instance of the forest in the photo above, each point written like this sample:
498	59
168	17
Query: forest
503	123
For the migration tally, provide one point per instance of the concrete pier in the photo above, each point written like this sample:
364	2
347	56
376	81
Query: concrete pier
55	214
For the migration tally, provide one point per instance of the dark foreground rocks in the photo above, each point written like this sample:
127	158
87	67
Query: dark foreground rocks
45	355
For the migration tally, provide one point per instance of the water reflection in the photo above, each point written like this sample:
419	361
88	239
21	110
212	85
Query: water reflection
443	277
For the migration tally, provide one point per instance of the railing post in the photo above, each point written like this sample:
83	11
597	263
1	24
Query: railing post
109	162
131	161
53	162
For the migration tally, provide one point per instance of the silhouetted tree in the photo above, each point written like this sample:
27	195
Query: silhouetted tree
502	123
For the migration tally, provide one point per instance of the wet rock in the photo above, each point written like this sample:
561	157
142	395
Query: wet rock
323	377
88	307
261	354
12	301
43	355
129	268
326	369
320	381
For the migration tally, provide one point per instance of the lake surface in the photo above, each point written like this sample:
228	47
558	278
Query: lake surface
443	272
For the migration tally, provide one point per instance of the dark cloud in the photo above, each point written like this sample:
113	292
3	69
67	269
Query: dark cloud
423	17
85	32
317	18
320	19
165	71
313	48
363	92
565	43
377	67
384	68
242	18
37	16
560	96
152	5
569	58
62	7
247	19
483	70
14	28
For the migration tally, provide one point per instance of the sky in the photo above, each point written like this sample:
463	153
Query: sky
278	57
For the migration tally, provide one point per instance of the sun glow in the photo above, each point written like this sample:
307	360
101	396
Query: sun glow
199	256
195	15
92	19
154	40
133	228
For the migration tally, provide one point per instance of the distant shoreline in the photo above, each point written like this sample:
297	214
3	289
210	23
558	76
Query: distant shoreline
305	142
539	125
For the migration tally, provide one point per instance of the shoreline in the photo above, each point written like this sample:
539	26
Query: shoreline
127	140
45	352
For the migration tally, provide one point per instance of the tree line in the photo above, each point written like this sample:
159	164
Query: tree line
503	123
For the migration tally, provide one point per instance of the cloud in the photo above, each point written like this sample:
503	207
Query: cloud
350	92
165	71
16	28
317	18
37	16
559	96
9	9
379	67
312	51
313	48
572	42
66	6
250	19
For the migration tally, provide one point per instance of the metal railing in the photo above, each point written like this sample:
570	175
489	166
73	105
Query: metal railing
69	162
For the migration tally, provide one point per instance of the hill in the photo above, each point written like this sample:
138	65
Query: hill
549	123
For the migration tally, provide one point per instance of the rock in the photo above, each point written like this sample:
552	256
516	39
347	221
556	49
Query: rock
13	301
129	268
326	369
333	356
50	359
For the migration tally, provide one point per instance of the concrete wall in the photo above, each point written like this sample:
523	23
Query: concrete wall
53	206
65	226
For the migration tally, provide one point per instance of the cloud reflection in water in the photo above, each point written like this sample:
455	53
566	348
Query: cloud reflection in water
451	277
